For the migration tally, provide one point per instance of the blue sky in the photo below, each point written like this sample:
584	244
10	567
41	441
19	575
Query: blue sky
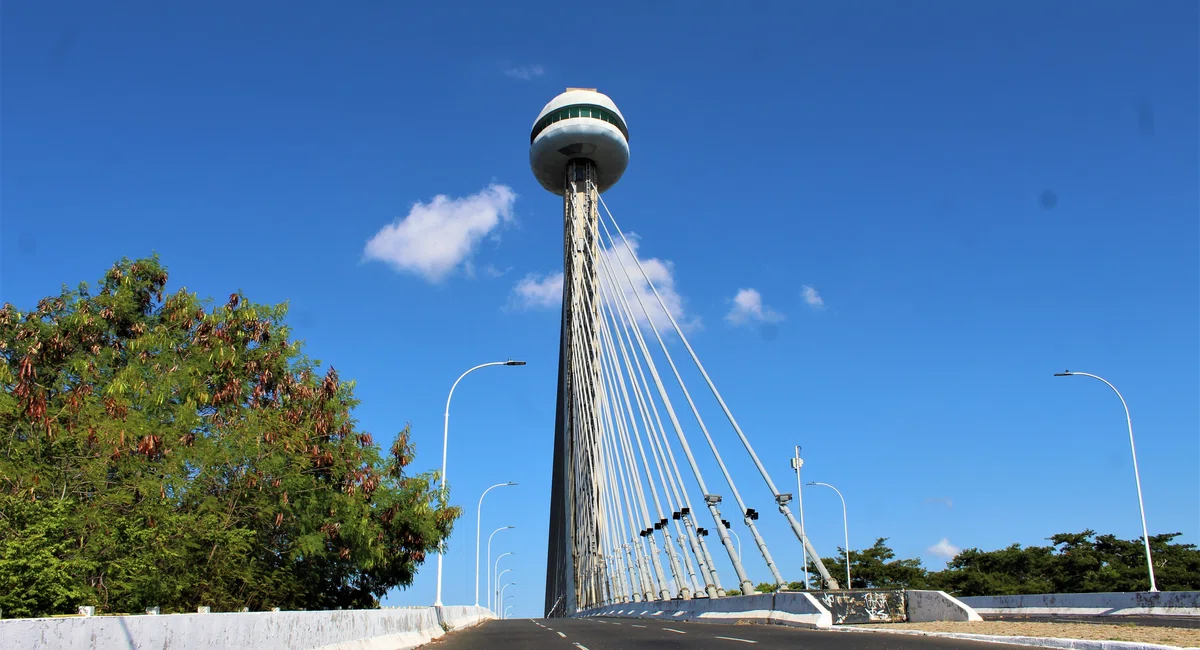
979	194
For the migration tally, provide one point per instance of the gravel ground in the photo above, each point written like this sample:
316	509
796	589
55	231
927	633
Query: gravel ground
1176	636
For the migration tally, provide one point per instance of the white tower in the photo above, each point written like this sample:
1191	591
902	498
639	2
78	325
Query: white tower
578	148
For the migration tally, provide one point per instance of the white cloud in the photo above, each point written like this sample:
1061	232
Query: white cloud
748	307
526	72
539	291
811	297
542	291
662	274
943	500
437	236
944	549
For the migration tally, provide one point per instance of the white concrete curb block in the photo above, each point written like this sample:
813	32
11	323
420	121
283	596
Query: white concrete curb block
925	606
800	609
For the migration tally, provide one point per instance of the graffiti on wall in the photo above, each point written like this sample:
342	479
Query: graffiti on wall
862	606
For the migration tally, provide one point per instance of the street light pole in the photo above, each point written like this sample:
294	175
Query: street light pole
500	598
1137	479
489	561
437	601
845	527
478	516
496	581
498	585
797	463
739	541
506	612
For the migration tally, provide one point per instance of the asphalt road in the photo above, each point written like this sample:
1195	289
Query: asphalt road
634	634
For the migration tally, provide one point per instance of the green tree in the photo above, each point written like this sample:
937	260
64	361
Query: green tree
873	568
1011	570
1076	563
161	451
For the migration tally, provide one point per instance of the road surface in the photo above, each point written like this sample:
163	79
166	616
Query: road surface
634	634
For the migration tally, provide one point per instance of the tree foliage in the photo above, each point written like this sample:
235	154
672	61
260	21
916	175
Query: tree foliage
1074	563
158	451
874	568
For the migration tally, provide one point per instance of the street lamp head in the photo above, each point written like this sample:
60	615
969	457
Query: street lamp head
511	483
811	483
1065	373
510	362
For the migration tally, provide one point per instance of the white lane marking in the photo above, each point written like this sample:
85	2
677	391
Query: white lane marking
675	631
639	625
730	638
581	646
615	623
562	635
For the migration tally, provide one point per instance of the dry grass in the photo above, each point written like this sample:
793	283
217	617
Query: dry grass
1174	636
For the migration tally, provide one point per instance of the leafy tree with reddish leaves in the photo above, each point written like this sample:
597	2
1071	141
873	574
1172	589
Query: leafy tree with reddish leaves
158	451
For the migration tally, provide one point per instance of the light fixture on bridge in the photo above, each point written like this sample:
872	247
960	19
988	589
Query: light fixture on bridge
1137	477
437	600
712	499
783	498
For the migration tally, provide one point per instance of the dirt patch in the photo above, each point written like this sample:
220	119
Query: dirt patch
1176	636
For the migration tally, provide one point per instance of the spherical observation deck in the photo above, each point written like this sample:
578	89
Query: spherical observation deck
579	124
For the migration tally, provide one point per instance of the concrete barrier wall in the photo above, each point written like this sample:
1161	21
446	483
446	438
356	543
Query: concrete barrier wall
797	608
858	606
925	606
1138	603
457	617
800	609
375	629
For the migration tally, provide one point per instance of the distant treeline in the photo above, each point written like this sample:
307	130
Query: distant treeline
1074	563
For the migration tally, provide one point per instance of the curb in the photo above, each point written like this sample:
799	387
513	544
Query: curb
1035	641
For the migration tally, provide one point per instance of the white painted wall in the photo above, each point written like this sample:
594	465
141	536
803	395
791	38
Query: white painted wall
924	606
1136	603
371	629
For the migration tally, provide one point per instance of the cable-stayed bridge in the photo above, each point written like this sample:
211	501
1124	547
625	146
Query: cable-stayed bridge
624	526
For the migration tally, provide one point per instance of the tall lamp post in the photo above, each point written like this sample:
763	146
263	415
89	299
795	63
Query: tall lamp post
797	463
498	605
437	601
506	608
500	598
1137	479
845	527
489	561
478	515
496	580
